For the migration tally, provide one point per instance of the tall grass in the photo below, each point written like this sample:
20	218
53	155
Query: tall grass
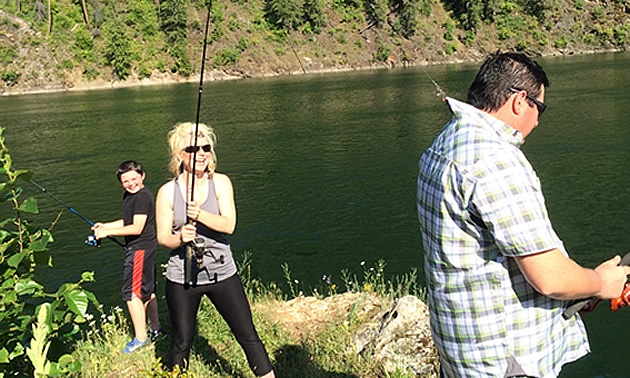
215	353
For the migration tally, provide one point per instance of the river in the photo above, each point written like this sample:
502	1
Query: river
324	169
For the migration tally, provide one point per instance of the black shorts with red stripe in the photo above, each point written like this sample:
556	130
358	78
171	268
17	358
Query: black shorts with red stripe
139	274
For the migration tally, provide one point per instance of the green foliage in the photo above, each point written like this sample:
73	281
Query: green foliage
31	318
408	19
119	48
243	43
7	54
83	45
173	17
286	14
622	34
372	281
449	25
227	57
182	59
382	52
10	77
143	15
561	42
314	15
451	47
376	11
579	5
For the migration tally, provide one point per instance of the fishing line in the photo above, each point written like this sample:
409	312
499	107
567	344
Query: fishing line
438	91
90	240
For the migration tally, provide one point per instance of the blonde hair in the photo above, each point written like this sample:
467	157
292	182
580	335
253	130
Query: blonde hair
180	137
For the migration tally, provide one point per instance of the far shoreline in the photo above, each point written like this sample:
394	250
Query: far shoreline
221	75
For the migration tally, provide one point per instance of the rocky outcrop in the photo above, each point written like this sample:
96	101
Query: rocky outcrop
400	338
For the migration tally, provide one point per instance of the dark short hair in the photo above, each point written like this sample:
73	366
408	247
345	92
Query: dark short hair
129	165
500	72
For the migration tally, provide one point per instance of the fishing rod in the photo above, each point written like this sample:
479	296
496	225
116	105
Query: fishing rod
191	246
90	239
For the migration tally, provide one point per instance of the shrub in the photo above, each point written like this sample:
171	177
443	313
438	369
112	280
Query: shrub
31	318
10	77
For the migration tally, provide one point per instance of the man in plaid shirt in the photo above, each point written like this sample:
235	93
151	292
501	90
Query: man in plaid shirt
498	276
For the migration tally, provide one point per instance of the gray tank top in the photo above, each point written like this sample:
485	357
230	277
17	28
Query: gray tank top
218	263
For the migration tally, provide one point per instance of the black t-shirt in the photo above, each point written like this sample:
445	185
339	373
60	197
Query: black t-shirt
140	203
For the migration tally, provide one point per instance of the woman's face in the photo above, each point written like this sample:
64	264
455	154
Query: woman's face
203	156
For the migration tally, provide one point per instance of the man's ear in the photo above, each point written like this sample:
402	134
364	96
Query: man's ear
519	103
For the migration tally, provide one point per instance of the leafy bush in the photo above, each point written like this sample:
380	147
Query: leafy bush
449	25
31	318
119	47
10	77
227	57
7	54
383	52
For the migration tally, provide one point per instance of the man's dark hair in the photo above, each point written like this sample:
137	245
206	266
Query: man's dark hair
129	165
500	72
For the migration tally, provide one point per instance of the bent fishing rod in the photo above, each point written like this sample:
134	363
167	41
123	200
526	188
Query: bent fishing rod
90	240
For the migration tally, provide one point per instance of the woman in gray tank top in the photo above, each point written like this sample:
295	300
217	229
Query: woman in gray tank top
193	217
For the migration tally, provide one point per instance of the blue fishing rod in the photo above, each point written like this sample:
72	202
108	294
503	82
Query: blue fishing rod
91	240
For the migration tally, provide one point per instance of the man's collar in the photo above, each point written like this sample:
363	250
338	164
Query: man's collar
485	119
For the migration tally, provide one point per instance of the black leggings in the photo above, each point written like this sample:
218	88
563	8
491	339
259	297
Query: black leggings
229	299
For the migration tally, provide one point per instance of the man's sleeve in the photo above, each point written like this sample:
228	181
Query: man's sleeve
509	201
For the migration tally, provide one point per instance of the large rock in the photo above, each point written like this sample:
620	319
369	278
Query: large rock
400	338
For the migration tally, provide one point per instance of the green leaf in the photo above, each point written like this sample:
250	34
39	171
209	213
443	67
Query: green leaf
29	206
27	287
43	238
6	186
63	288
92	298
17	351
77	301
74	366
7	283
15	193
87	276
65	360
24	175
16	259
4	234
4	356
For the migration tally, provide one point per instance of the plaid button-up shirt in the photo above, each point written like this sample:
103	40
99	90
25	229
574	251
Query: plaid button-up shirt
479	204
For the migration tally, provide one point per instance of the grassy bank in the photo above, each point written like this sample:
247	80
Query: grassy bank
305	336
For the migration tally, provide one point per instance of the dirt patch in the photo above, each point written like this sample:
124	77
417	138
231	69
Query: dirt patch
303	316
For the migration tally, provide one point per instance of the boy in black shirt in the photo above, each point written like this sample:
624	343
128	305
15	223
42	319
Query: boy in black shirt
138	228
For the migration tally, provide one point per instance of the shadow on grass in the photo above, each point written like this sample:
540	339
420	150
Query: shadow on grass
201	349
295	361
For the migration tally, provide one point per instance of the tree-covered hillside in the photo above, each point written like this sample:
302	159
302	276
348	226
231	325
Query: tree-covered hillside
56	44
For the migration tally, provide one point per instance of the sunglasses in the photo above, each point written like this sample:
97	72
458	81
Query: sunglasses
540	105
193	149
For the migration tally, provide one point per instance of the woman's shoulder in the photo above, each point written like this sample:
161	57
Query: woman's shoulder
220	178
167	188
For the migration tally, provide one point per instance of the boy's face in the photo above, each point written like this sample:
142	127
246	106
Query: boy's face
132	181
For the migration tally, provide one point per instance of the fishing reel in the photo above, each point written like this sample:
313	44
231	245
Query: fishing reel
92	241
199	250
623	300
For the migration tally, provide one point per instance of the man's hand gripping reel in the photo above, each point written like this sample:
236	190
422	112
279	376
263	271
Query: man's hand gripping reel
587	305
